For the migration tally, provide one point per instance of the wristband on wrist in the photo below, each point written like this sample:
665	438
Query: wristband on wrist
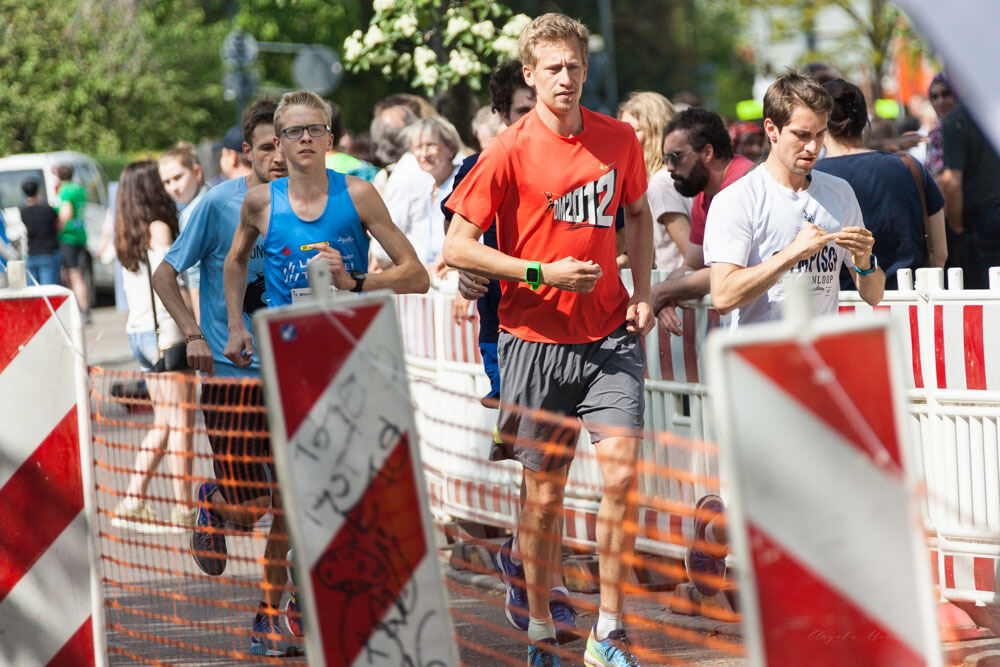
533	274
188	339
872	266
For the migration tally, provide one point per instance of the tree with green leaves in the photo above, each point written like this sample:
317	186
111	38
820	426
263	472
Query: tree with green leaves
322	22
435	43
109	76
874	25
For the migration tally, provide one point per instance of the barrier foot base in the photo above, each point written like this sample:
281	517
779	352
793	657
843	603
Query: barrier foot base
965	620
688	601
475	556
581	574
658	573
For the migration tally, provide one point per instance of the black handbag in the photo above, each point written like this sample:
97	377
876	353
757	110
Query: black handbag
174	357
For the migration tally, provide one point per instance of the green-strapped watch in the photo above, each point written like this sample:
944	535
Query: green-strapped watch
533	274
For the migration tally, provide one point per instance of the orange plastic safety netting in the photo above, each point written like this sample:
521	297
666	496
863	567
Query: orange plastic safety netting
152	452
151	456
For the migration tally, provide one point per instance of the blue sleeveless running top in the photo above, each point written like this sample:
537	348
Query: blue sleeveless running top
339	225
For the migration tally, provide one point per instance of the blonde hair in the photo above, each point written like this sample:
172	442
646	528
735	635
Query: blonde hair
444	130
491	119
552	27
300	98
183	152
652	112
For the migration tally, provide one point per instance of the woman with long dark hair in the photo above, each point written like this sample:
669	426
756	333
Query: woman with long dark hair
146	226
893	207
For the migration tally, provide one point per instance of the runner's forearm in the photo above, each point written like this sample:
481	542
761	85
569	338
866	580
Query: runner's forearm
166	287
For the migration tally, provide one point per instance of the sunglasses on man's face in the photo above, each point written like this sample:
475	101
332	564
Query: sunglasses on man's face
674	157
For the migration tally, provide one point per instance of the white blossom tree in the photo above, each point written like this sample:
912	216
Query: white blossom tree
435	43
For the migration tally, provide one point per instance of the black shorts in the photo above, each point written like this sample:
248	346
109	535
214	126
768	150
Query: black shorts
236	421
71	255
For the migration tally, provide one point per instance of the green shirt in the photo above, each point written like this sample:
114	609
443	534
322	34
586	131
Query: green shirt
74	233
343	162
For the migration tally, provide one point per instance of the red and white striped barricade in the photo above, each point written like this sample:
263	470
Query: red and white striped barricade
907	307
50	599
459	342
963	401
902	305
456	431
678	410
350	476
822	504
416	319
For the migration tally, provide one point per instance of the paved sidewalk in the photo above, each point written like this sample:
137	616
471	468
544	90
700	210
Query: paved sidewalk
105	340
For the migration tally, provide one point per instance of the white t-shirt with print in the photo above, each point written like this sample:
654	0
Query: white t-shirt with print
664	198
756	217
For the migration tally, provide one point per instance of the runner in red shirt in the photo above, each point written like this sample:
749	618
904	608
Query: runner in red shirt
570	339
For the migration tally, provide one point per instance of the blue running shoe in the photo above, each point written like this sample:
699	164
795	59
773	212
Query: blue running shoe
705	570
293	617
540	654
612	652
516	603
564	616
208	546
267	639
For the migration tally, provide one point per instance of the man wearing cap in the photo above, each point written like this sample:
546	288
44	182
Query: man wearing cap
232	161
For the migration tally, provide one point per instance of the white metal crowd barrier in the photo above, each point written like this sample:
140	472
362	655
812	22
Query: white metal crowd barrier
953	404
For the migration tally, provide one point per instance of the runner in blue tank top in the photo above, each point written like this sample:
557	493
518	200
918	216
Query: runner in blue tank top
314	215
288	244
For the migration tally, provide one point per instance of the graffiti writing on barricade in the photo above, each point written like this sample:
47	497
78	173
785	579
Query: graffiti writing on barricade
359	497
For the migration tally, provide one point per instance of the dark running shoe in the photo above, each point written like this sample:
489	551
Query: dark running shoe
516	602
267	639
564	616
540	654
134	390
705	570
208	542
611	652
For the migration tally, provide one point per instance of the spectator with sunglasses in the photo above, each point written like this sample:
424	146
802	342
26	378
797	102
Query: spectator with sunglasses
699	156
943	100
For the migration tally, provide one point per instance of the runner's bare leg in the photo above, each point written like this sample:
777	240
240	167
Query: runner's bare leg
616	517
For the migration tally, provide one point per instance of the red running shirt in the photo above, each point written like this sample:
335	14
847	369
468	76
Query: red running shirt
556	197
738	167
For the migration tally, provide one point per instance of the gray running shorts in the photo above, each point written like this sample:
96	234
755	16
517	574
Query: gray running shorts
555	385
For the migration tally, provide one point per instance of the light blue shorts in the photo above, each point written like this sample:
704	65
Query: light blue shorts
144	349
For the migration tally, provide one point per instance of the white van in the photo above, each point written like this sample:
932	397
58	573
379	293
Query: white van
86	172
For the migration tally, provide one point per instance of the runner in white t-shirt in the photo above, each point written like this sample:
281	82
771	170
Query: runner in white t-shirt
786	218
780	218
758	217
